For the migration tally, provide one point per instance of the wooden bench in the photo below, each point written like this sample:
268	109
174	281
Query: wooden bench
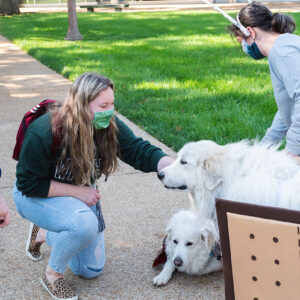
117	7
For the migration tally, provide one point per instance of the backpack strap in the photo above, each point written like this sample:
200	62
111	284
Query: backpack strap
29	117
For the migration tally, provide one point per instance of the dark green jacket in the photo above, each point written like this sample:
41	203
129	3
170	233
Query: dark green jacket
38	165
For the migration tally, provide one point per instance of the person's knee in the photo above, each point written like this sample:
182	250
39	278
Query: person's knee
90	271
86	225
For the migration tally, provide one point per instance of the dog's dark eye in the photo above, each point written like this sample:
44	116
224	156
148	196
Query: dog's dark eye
188	244
183	162
175	242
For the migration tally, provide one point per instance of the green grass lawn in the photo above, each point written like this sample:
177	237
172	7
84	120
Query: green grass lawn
178	75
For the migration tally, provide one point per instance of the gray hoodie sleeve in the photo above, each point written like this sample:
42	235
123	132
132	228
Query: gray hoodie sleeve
277	132
284	63
291	79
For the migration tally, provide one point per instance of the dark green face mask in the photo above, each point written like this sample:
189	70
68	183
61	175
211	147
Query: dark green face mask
102	118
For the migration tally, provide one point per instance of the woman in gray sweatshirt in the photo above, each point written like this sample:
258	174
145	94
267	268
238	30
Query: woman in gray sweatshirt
271	36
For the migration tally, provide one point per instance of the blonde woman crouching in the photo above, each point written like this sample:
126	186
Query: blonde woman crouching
56	191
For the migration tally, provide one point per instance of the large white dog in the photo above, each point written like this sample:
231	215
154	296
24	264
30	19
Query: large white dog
239	172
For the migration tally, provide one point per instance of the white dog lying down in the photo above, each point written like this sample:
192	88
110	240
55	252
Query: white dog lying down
238	172
190	246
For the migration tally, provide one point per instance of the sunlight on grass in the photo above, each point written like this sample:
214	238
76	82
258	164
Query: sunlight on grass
170	84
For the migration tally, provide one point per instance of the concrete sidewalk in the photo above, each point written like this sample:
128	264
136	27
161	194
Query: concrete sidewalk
136	208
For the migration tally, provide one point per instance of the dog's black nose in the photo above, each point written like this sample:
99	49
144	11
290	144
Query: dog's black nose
178	262
160	175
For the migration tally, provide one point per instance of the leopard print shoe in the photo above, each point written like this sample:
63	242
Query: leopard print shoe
59	290
33	248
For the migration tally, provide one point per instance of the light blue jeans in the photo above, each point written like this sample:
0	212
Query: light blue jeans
72	233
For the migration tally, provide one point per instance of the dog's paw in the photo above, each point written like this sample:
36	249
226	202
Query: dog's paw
161	279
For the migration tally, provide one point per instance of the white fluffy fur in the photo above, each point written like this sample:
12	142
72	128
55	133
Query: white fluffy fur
191	240
238	172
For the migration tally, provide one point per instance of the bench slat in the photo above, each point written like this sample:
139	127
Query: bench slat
117	7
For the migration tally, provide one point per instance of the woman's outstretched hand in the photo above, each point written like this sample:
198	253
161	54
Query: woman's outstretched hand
164	162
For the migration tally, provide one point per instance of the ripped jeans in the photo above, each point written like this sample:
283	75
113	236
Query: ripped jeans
73	232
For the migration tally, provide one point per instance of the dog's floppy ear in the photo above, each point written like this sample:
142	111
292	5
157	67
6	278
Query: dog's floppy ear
169	233
212	169
209	235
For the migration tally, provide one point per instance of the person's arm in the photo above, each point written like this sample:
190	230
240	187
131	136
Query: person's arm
33	168
293	88
288	67
88	195
4	214
138	153
33	174
276	133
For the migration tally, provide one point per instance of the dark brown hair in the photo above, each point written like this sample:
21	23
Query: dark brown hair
255	14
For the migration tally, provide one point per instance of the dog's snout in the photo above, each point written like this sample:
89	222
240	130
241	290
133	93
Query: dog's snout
178	262
161	175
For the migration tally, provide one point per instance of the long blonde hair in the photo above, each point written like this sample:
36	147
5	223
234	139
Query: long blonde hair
72	122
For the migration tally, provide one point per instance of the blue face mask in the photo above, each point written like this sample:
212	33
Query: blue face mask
252	50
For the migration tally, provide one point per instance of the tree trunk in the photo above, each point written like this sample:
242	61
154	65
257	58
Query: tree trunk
73	31
9	7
